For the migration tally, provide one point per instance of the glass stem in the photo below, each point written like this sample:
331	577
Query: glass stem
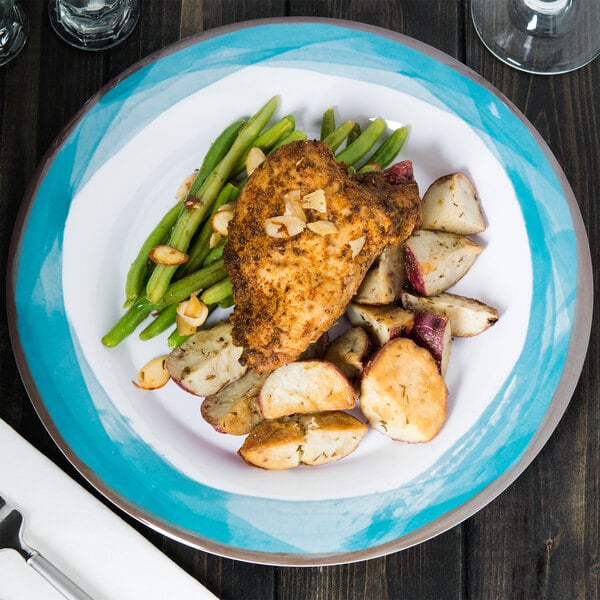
543	17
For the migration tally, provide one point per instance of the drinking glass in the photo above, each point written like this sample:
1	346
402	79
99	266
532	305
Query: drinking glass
539	36
93	24
14	28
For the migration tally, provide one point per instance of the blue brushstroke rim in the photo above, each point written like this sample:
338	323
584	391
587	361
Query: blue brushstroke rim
299	533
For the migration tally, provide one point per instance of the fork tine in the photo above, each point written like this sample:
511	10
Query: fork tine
11	524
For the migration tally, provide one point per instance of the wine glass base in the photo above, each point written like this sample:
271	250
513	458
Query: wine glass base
546	53
13	36
99	31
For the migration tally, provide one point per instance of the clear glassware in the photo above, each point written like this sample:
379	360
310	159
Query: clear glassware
539	36
14	29
93	24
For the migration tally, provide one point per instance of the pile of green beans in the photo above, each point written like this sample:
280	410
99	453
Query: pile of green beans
157	289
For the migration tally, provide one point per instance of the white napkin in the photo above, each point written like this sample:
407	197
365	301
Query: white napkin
94	547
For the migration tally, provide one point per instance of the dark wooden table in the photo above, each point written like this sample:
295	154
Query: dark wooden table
538	539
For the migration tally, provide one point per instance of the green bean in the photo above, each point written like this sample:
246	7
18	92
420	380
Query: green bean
160	323
295	136
176	292
327	123
354	134
175	339
215	254
138	272
215	154
200	248
268	138
217	293
389	149
198	280
368	138
227	302
136	276
128	323
368	168
339	135
198	206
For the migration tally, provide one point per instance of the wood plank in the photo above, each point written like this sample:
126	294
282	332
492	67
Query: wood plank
217	14
433	569
192	18
434	22
540	538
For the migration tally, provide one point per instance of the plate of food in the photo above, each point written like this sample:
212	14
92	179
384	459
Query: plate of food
300	292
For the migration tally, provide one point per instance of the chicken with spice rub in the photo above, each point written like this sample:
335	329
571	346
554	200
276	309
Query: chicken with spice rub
304	234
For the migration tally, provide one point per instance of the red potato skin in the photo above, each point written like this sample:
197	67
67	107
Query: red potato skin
400	172
428	333
414	272
412	302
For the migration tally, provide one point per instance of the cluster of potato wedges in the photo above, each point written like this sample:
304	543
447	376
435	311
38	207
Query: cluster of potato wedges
387	367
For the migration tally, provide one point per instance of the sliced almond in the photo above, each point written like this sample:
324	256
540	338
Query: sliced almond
153	374
254	158
293	195
220	221
315	200
194	307
357	245
191	314
322	227
183	327
214	240
284	226
167	255
185	185
229	206
292	205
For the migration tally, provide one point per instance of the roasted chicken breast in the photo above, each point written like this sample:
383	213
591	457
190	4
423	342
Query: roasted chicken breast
304	234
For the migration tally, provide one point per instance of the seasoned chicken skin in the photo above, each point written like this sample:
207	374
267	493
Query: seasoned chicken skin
289	290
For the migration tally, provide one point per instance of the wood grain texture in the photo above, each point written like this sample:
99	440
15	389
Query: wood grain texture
541	537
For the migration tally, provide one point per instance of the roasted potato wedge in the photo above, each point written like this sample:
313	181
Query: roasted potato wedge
207	361
403	395
316	349
329	436
274	444
305	386
468	316
234	408
451	204
384	281
350	351
382	322
308	439
436	260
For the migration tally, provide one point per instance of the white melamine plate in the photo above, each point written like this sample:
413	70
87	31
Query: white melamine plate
113	174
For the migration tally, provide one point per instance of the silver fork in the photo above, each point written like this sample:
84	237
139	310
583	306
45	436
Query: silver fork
11	525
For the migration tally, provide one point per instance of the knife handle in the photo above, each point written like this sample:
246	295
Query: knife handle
57	578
